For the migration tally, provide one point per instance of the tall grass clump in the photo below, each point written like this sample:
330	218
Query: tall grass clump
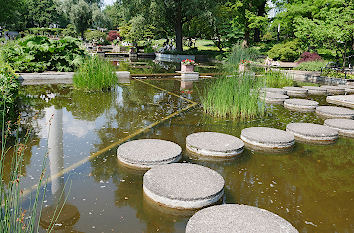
234	97
277	79
95	74
237	54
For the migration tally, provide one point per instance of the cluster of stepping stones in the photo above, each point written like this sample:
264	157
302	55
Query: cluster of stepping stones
191	186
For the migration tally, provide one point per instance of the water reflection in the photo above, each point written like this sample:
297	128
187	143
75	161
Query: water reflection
61	215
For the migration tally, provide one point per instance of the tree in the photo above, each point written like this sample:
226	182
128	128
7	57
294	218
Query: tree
41	13
81	16
332	27
11	14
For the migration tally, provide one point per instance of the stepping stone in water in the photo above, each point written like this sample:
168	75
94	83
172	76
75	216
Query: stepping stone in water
146	153
334	90
345	127
334	112
301	105
273	98
295	91
274	90
343	100
183	185
313	90
313	133
348	89
237	219
268	139
214	144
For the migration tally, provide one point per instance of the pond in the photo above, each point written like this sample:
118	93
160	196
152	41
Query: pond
311	186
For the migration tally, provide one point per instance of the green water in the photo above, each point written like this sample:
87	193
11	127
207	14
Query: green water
311	187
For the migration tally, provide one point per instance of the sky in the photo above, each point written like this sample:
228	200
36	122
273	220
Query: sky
108	2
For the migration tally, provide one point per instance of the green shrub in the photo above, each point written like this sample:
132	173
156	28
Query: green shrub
9	86
288	51
311	65
39	53
97	37
95	74
70	31
237	54
278	79
234	97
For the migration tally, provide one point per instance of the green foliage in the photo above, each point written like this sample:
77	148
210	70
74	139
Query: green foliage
96	36
238	53
9	86
95	74
277	79
41	13
311	65
69	31
288	51
234	97
81	16
38	54
336	74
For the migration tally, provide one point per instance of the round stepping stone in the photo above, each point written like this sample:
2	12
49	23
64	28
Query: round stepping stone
274	90
269	139
334	112
334	90
313	90
295	91
345	127
348	89
313	133
343	100
214	144
183	185
146	153
301	105
237	219
274	98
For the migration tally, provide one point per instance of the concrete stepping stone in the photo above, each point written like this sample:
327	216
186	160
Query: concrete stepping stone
268	139
237	219
345	127
334	112
301	105
274	90
334	90
214	144
343	100
295	91
146	153
274	98
313	90
183	185
313	133
348	89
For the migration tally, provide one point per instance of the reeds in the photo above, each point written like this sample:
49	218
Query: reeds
95	74
234	97
236	56
277	79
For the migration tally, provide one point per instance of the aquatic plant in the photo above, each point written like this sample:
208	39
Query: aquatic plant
277	79
234	97
237	55
95	74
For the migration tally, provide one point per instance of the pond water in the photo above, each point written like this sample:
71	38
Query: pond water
311	186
